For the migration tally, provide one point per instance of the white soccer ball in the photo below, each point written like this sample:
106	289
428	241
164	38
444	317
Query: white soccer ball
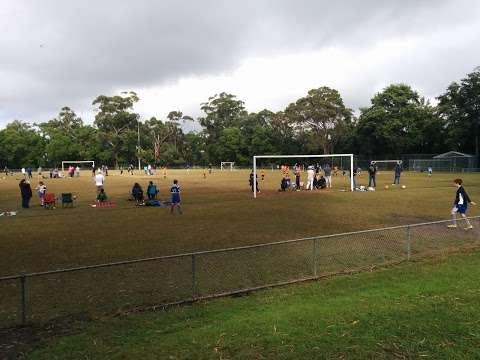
404	187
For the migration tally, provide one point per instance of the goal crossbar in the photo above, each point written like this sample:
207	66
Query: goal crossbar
387	161
297	157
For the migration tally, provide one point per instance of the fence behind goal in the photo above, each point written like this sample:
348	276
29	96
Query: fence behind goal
90	291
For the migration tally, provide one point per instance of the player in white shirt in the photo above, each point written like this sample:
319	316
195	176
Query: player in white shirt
99	181
310	177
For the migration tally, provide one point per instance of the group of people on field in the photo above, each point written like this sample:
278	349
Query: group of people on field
139	195
317	177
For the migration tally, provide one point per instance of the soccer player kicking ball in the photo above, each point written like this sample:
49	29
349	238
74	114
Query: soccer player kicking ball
460	205
175	191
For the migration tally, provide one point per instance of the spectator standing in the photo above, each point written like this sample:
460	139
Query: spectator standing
372	173
250	181
328	175
26	193
99	181
310	177
398	172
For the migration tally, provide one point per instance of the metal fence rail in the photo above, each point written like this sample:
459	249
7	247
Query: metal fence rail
105	288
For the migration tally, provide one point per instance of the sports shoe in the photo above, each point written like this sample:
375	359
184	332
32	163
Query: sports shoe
452	226
468	227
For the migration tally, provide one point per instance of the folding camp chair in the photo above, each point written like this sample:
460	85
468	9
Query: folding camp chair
49	201
67	200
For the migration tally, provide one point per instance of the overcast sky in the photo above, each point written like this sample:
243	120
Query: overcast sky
175	54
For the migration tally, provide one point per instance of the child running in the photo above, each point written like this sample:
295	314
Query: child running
175	191
460	205
41	190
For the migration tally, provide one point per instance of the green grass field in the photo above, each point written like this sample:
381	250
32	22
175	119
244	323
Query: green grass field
423	310
219	212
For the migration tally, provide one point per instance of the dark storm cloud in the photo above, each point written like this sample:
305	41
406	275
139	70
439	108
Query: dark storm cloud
56	53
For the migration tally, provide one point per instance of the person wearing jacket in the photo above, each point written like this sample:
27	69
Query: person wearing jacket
26	193
460	205
137	193
398	172
328	175
372	173
152	191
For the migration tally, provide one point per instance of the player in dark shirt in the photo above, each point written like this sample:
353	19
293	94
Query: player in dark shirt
460	205
372	173
175	191
250	181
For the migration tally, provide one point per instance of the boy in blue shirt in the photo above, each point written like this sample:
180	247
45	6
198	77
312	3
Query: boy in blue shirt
460	205
175	191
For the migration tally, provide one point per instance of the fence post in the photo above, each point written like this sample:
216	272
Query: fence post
315	246
409	238
194	277
23	298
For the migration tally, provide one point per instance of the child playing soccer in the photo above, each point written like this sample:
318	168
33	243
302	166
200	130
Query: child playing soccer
175	191
460	205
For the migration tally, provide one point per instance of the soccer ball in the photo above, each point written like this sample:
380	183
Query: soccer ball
404	187
386	187
74	197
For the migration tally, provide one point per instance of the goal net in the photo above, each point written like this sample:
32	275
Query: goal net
227	165
385	165
337	167
90	163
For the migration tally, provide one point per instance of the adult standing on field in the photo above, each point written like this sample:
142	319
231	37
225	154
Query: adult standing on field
372	173
26	193
310	177
328	175
355	174
250	181
398	172
298	172
99	181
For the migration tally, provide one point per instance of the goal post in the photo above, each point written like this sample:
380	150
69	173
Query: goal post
77	162
328	156
224	164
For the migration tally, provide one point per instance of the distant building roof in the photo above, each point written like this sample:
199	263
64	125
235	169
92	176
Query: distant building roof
451	154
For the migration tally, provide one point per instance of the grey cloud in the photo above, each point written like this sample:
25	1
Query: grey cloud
56	53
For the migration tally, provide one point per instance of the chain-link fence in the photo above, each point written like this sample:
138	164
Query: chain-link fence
90	291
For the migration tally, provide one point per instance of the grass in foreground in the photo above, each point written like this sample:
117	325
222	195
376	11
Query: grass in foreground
417	310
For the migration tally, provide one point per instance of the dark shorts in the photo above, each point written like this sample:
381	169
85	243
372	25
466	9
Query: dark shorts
461	208
175	199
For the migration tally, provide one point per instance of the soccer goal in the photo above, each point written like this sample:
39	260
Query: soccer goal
77	162
336	161
227	164
386	164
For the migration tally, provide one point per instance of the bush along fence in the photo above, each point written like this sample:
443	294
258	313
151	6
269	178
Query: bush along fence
90	291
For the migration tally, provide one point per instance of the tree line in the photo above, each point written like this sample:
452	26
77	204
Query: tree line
398	121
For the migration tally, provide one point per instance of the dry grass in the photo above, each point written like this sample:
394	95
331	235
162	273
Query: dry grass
219	213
